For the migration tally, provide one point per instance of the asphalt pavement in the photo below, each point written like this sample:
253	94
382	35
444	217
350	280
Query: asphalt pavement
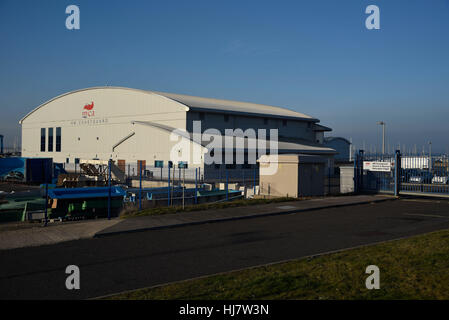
135	260
24	234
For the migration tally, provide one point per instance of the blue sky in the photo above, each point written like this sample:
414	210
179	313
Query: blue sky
315	57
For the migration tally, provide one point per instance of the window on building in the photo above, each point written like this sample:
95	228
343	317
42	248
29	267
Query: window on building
226	118
183	165
42	139
58	139
50	139
67	160
265	120
284	123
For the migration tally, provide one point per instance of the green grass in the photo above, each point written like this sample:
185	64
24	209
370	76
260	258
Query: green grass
133	212
413	268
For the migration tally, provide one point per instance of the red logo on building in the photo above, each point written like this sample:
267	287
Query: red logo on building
89	106
89	110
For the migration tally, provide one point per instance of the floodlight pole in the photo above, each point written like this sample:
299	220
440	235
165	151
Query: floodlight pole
382	123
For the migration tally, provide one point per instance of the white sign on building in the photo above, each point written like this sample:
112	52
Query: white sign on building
382	166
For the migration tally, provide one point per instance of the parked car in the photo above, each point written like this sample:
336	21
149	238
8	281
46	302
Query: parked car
14	176
440	180
422	177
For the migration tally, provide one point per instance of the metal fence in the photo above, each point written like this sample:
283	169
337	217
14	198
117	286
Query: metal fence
151	186
402	174
424	175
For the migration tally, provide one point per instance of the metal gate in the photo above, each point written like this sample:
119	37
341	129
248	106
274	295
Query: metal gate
376	173
401	175
423	175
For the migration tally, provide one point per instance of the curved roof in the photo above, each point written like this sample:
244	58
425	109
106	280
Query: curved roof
206	104
329	139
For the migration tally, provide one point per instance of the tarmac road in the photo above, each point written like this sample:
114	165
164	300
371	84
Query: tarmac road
135	260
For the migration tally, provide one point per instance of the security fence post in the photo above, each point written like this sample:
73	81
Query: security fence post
44	177
254	182
361	152
196	185
168	188
397	173
227	180
173	185
183	186
109	189
328	177
140	185
356	172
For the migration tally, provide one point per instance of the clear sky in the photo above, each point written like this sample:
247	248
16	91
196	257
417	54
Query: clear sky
312	56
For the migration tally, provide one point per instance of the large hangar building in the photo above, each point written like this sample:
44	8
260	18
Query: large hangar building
131	126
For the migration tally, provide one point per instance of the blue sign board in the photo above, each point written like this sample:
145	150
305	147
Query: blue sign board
159	163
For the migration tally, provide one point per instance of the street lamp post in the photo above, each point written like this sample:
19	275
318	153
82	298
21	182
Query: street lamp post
430	155
382	123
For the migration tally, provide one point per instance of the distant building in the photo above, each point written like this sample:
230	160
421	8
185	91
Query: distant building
341	145
319	132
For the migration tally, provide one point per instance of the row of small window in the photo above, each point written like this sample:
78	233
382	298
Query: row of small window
265	120
49	132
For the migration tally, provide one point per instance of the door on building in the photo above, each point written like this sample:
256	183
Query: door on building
311	179
144	166
121	164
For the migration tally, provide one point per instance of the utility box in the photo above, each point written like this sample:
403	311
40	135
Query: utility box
297	175
39	170
347	179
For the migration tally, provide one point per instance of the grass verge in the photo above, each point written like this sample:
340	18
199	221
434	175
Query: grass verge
413	268
133	212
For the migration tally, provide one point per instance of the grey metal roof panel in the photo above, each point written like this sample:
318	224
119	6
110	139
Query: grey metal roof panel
220	105
283	146
319	127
